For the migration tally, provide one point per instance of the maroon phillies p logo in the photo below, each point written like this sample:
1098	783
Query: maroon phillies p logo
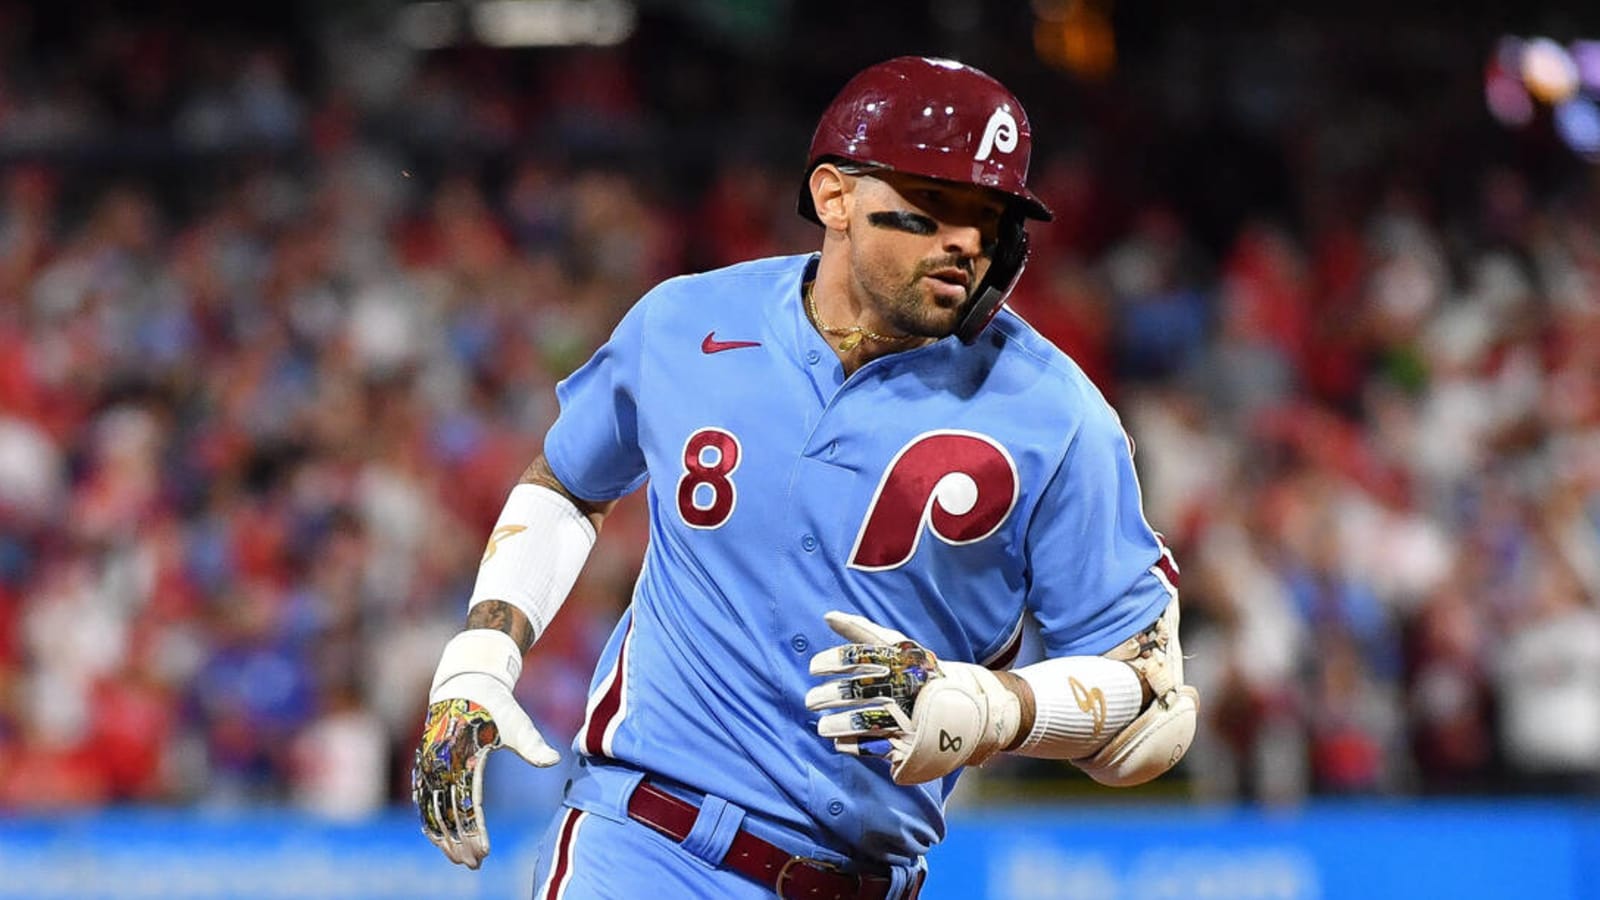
958	484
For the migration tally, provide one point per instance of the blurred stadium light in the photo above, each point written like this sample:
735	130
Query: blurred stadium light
436	24
1578	123
1586	54
1507	99
1523	75
1076	36
1548	70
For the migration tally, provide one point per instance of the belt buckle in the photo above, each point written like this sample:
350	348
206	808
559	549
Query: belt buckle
783	873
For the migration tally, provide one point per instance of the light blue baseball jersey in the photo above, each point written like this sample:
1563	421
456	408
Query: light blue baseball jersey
946	491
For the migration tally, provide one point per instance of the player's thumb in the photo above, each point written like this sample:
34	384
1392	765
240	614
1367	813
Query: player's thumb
518	733
860	629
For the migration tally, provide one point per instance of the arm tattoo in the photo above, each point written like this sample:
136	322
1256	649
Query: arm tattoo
502	616
538	472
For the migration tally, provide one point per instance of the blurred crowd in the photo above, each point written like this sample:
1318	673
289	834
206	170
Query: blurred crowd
266	384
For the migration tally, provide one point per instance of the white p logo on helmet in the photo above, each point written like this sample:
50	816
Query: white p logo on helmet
1001	132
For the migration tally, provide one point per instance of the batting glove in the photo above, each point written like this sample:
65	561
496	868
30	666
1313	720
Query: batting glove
470	712
926	716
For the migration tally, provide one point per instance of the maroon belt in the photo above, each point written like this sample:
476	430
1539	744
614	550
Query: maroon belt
791	877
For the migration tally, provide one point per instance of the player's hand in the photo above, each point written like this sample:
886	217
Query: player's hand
470	712
898	700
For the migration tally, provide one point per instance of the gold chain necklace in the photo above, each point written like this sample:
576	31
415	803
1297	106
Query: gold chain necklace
853	334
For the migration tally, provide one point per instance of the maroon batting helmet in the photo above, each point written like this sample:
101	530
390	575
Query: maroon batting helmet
932	117
945	120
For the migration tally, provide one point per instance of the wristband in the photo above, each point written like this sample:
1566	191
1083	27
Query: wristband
1080	704
534	554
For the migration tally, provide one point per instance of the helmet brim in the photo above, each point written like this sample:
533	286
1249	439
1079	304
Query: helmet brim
1025	201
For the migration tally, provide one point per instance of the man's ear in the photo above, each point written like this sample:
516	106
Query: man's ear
831	194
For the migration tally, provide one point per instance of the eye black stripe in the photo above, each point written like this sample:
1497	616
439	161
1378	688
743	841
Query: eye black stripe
900	220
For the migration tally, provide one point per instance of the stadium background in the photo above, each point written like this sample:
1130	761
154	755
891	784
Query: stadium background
284	291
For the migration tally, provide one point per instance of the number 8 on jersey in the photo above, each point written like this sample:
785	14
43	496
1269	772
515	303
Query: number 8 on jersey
706	494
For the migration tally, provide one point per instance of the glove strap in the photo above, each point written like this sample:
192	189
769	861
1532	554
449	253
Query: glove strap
487	651
1003	716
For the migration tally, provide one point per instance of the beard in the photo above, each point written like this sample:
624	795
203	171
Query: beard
913	309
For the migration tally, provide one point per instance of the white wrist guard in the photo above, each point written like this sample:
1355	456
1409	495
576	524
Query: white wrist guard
534	554
1158	738
1080	703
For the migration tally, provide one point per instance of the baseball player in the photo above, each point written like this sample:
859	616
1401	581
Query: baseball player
863	473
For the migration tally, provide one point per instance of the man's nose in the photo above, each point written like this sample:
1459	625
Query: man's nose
966	240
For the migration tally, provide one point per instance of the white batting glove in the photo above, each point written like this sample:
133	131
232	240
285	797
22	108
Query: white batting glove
470	712
900	701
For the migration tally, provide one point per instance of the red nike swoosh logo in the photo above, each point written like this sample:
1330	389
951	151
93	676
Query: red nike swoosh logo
712	345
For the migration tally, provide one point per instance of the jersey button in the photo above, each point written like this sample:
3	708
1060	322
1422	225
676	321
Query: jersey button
836	807
808	542
799	643
812	356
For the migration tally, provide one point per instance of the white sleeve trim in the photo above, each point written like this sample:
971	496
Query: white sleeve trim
534	555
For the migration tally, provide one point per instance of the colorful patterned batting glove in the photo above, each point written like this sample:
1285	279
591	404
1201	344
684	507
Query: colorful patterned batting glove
471	712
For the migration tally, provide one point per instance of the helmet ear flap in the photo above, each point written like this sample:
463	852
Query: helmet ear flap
803	202
1010	257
